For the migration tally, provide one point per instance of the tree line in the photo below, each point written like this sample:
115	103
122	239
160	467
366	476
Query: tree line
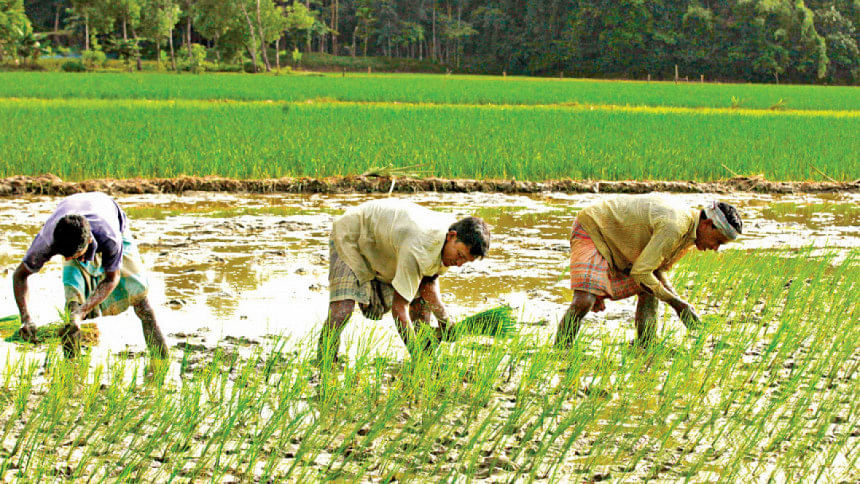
809	41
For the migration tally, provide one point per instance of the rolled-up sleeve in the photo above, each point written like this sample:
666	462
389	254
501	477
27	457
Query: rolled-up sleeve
408	276
111	255
662	243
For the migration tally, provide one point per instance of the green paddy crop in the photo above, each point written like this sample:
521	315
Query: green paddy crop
80	139
767	389
434	89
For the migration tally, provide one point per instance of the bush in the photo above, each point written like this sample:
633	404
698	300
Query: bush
227	68
73	66
196	63
248	66
93	58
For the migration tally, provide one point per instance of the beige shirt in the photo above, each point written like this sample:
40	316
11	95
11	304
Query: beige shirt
642	234
394	241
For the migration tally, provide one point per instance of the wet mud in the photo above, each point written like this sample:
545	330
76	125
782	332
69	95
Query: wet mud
233	273
256	265
52	185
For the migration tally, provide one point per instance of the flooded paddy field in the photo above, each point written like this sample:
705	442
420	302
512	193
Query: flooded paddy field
768	388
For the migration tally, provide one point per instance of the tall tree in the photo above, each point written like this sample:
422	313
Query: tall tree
840	35
299	21
14	26
97	18
158	18
365	19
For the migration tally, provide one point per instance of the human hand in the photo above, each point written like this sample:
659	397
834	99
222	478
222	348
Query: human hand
423	342
28	331
687	315
70	336
446	333
75	317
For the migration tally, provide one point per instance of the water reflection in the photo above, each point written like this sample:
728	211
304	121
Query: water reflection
244	260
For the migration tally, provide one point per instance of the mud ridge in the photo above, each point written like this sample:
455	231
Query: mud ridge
52	185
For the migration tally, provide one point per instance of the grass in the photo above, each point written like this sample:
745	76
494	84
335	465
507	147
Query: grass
768	389
46	334
79	139
498	321
433	89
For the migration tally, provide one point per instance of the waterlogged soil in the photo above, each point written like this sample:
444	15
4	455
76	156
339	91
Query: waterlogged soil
229	272
253	266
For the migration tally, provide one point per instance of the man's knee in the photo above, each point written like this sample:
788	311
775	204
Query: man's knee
339	312
419	310
140	304
582	302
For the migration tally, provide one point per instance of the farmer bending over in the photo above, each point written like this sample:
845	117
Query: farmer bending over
102	272
623	246
386	255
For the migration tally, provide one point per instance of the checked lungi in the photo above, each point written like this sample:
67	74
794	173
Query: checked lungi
374	297
590	272
80	280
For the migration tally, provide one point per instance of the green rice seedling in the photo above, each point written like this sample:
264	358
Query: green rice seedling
496	322
123	139
763	388
11	325
421	88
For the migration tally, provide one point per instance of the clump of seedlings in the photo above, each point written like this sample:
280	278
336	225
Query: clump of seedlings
767	388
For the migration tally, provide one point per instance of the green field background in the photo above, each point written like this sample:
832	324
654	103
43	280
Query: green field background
79	139
423	89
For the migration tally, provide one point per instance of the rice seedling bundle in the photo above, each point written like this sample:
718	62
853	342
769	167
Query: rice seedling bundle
765	389
81	139
424	89
498	322
10	331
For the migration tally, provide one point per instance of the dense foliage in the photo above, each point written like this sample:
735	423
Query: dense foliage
749	40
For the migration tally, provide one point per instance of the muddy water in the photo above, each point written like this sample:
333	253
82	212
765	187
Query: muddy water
252	266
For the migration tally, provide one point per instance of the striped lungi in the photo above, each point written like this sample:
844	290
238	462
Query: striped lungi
80	280
374	298
590	272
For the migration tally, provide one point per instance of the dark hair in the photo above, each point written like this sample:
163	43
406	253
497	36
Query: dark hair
71	235
732	215
473	232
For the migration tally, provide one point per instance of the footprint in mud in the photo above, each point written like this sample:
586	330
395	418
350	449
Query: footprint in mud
184	335
131	354
176	303
494	465
240	341
601	476
186	346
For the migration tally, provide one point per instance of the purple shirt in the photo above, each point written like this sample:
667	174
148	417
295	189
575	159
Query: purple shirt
107	222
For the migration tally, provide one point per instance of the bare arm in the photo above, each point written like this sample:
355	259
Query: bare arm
661	276
429	292
103	290
19	287
647	264
682	307
400	311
